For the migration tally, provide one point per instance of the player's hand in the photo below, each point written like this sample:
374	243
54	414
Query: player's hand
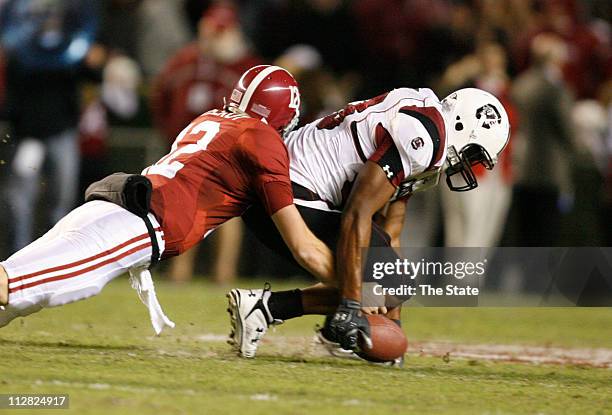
374	310
348	324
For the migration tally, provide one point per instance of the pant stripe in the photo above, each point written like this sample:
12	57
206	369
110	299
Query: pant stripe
82	271
80	262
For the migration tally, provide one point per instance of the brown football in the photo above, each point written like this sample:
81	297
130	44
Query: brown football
388	340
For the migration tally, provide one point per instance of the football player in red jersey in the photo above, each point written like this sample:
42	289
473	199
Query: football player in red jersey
348	167
219	165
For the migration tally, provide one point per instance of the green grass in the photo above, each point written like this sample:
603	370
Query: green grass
102	352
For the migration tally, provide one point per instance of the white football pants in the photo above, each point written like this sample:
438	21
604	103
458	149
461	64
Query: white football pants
90	246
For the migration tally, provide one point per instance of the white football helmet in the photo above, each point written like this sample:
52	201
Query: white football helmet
478	130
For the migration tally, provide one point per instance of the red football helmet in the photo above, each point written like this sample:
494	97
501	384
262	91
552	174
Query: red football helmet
269	93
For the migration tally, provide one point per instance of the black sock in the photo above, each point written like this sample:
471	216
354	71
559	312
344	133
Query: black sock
398	322
284	305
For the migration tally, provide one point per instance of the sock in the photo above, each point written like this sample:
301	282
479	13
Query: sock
398	322
284	305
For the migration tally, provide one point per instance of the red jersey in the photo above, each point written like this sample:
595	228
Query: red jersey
218	166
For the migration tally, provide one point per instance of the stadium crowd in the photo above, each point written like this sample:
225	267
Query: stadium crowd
156	64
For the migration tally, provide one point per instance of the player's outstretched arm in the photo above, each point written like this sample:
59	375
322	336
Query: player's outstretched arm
309	251
372	190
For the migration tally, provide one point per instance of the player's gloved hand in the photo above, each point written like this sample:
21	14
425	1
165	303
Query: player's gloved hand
348	324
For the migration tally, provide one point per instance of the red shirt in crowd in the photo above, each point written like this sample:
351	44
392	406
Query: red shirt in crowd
191	84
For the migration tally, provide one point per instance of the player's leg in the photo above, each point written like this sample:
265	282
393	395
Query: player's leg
85	250
252	311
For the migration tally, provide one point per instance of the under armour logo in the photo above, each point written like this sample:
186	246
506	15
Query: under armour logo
388	171
341	317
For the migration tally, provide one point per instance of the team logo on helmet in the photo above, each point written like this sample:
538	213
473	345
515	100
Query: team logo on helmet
491	115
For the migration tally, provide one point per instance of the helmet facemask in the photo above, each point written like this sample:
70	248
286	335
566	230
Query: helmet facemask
292	124
459	166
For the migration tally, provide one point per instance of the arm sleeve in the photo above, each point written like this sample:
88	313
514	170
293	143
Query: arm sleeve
413	140
387	156
268	166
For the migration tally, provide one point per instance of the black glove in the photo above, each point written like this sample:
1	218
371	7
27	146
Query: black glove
348	323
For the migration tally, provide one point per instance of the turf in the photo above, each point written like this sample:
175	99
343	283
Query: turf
101	352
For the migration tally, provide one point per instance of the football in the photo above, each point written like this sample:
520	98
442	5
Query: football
388	340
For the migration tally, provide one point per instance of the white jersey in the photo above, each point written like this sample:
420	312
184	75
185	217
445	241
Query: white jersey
403	131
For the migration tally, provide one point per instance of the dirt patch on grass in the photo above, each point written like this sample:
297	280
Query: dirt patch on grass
307	346
601	358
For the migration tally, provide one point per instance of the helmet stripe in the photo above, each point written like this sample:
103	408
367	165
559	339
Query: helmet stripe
244	103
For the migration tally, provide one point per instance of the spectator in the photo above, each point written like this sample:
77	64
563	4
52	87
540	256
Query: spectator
587	61
465	213
202	73
544	188
155	47
42	85
117	97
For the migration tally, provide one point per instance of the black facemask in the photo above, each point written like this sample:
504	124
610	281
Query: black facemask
460	166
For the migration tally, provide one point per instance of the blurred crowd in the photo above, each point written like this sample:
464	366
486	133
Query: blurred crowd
87	67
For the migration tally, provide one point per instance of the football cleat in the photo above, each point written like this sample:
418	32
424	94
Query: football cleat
249	318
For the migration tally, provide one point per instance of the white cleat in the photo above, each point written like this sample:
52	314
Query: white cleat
250	319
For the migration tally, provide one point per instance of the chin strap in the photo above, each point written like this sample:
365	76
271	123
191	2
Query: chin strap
142	282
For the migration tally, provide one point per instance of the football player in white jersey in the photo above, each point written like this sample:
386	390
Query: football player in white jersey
347	168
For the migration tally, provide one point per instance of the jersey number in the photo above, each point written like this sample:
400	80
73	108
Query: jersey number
333	120
168	166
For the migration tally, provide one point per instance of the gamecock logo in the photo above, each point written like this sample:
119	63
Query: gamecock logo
417	143
491	115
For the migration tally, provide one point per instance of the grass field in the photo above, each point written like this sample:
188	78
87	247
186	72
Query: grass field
102	353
